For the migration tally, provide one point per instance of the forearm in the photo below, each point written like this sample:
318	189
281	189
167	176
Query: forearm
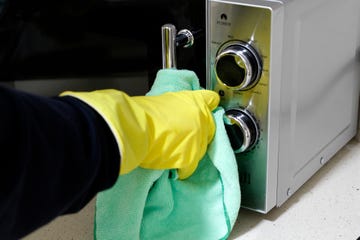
57	154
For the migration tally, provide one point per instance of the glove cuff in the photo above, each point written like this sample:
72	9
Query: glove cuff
120	113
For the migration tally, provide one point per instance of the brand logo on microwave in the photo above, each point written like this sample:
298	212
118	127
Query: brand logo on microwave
223	20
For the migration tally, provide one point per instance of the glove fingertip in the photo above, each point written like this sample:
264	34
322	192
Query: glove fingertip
211	98
186	172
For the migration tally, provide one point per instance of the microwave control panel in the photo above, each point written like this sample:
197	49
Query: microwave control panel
238	69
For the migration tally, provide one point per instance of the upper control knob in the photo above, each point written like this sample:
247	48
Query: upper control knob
238	65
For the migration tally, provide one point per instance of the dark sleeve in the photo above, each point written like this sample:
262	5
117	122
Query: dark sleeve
56	154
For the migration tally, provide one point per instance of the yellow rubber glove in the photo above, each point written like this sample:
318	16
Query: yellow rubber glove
169	131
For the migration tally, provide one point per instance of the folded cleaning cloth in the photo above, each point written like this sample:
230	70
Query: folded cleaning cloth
154	204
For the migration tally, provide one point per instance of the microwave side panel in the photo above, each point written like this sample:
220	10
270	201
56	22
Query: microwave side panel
319	89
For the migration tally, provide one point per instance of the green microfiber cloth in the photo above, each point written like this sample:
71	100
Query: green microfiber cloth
154	204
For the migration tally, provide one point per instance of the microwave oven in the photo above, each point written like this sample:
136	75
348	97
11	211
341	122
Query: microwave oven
287	71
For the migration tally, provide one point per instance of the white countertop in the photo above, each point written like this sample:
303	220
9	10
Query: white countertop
327	207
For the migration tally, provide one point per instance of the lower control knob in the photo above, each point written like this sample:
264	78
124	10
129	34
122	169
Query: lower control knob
241	128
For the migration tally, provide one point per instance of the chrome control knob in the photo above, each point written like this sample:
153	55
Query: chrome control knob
238	65
242	129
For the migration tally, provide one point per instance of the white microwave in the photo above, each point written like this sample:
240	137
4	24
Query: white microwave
288	75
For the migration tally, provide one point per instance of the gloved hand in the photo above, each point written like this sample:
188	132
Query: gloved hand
169	131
